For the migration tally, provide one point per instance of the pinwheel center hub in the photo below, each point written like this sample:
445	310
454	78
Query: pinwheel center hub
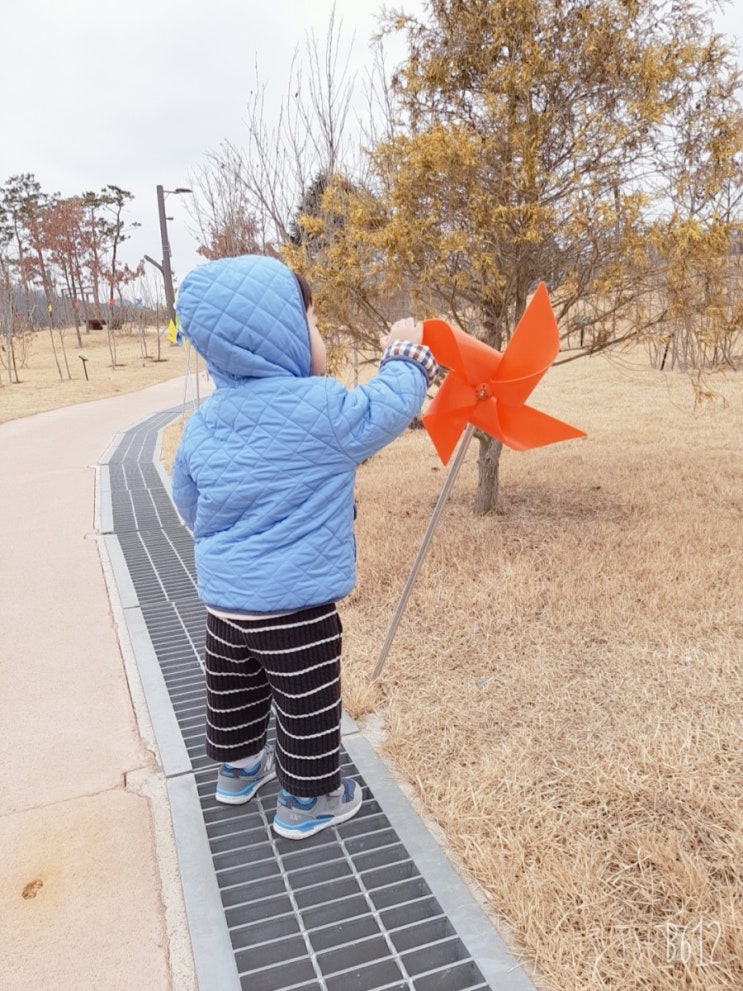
484	390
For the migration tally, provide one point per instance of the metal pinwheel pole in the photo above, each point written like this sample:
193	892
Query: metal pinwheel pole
438	509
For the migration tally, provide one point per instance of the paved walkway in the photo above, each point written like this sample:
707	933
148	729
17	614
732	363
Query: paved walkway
89	887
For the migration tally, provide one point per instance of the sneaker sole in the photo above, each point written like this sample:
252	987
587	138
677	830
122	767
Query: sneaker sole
231	798
301	833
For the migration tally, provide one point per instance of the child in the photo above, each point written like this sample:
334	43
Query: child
264	477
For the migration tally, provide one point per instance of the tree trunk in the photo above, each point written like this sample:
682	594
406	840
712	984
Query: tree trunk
157	330
64	356
111	342
76	310
11	355
54	350
142	340
486	498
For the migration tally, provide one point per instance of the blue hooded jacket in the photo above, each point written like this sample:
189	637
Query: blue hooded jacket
264	474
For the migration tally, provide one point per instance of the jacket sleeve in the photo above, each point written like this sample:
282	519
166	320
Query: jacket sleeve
369	417
184	489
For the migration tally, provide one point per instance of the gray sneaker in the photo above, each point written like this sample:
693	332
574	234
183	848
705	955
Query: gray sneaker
297	818
237	785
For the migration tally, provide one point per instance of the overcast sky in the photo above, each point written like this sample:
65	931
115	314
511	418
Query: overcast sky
136	93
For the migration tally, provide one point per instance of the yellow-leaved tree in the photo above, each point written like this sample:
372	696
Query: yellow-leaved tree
595	145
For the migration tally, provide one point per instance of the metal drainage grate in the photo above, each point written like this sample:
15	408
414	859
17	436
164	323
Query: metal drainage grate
346	910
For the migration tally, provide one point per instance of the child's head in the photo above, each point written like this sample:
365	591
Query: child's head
251	317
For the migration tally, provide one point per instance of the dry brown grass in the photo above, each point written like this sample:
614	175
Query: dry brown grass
40	388
564	691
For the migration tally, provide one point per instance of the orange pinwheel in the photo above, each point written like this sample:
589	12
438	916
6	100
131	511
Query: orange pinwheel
488	389
485	390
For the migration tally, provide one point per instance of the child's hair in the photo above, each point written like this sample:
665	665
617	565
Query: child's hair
304	288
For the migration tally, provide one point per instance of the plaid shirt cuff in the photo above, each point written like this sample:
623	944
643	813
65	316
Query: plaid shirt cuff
415	352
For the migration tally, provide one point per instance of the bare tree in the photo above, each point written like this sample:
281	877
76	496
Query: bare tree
26	207
7	313
150	291
222	209
247	197
63	236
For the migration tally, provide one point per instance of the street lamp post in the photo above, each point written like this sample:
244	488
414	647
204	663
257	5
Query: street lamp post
165	267
167	273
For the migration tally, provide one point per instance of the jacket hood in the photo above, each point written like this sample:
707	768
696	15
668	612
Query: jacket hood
246	318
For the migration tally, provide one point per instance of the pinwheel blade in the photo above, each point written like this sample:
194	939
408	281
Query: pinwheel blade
525	428
448	414
530	352
445	429
454	349
486	417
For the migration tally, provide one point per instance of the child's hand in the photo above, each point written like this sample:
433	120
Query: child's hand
403	330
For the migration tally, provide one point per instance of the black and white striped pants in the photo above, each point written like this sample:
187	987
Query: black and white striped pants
294	662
